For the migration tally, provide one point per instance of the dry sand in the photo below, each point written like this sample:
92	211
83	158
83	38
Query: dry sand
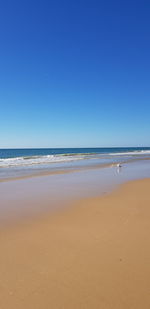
96	254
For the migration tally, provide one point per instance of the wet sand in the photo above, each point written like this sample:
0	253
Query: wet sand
62	171
94	254
31	173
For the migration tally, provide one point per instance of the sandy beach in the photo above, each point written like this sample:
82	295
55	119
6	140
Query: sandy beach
94	254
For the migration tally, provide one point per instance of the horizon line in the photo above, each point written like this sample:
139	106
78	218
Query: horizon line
96	147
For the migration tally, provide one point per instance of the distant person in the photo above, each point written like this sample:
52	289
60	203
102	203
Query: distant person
119	168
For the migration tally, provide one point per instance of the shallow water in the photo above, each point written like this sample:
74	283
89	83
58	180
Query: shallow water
29	197
16	163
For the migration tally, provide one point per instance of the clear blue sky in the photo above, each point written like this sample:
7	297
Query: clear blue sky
74	73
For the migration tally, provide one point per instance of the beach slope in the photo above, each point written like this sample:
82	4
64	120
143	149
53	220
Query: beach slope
94	254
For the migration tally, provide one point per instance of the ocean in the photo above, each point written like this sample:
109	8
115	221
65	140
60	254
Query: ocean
17	162
16	157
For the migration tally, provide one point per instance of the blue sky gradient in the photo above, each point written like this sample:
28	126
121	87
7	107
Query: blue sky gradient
74	73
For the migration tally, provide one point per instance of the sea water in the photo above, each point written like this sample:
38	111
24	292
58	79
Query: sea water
21	162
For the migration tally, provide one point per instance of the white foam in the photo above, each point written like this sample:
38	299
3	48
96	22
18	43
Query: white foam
49	159
35	160
131	153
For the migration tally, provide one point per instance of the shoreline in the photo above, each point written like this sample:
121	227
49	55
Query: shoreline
57	172
69	170
34	196
94	254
